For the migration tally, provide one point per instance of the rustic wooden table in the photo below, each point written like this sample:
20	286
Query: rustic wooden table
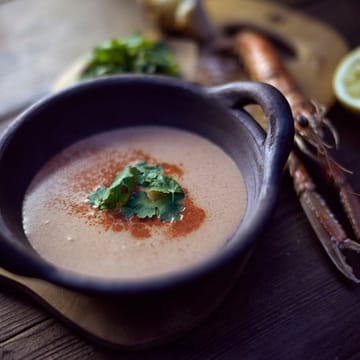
289	303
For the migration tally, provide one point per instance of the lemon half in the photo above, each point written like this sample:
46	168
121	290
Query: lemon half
346	81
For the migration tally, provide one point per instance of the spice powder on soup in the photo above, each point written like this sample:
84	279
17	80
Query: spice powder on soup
65	229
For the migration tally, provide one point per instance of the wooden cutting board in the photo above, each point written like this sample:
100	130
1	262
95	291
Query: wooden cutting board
90	315
315	47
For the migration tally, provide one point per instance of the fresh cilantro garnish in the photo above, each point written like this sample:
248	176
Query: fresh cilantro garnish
165	185
133	54
117	194
144	191
167	208
146	173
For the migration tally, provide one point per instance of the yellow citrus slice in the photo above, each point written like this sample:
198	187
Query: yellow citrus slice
346	81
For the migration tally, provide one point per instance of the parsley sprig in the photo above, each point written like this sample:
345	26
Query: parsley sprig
142	190
132	54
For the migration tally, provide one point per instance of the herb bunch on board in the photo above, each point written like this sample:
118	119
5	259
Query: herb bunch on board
133	54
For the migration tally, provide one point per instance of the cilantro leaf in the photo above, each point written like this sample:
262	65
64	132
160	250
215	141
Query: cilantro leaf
166	208
98	197
166	185
117	194
133	54
146	173
158	196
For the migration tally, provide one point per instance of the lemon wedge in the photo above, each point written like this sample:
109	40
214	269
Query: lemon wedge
346	81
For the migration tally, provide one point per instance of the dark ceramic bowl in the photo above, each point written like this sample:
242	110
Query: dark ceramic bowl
61	119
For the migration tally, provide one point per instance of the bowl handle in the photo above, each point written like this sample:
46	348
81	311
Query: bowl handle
280	135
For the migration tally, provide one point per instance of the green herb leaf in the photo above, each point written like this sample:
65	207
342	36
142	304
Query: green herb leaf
133	54
168	208
117	194
144	191
98	197
166	185
146	173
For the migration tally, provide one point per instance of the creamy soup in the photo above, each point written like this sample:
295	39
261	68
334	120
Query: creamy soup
64	229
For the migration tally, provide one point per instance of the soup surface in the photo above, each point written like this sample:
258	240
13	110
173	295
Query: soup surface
64	229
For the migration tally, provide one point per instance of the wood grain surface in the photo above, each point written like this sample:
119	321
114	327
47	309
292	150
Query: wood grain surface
290	303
